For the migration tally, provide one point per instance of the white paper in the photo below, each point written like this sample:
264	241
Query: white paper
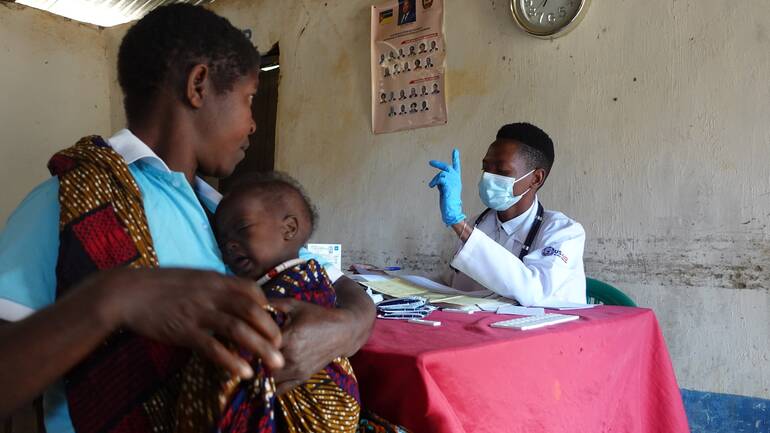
376	297
429	284
440	288
489	301
492	306
521	311
374	277
564	305
469	308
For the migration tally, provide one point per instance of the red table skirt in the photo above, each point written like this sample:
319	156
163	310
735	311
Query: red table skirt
607	372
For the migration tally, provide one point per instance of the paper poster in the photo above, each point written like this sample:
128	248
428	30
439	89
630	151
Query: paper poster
408	65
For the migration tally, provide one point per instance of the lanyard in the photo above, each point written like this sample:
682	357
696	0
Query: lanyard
532	232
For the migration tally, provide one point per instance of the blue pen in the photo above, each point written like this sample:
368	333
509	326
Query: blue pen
391	268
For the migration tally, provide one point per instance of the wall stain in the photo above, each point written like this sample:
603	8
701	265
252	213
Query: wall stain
761	33
714	262
421	263
721	262
466	83
342	67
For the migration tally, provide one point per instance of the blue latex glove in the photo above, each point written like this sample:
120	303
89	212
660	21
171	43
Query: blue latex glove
450	187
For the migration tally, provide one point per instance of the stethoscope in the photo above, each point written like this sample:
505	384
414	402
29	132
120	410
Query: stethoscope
532	232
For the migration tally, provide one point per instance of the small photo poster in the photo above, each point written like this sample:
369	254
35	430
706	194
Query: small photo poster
408	67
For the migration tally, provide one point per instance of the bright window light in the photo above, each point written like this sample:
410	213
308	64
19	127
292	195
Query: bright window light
82	10
105	13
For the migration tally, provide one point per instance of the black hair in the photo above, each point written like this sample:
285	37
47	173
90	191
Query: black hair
161	48
273	187
537	149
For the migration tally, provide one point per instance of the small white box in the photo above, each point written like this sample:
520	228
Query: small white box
331	253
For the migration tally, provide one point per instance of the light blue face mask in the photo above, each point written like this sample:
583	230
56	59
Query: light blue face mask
496	191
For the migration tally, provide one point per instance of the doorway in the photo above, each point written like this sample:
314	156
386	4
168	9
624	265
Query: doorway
260	156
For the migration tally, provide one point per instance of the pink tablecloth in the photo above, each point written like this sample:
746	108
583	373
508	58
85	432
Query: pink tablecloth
607	372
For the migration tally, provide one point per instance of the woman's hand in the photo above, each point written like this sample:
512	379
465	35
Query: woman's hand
174	306
313	336
186	307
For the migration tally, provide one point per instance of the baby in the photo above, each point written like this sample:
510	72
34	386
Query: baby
260	226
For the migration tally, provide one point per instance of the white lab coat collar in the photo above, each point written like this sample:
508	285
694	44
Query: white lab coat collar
132	149
515	225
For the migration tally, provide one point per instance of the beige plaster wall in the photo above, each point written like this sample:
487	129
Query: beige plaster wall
54	89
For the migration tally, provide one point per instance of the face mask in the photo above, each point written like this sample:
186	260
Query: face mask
496	191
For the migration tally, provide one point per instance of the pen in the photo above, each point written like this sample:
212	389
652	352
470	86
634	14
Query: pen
391	268
424	322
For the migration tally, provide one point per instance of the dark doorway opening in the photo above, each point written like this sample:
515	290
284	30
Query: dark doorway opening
260	156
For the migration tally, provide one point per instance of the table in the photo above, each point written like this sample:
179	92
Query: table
607	372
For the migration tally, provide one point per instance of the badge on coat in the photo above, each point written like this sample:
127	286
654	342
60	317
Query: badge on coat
551	251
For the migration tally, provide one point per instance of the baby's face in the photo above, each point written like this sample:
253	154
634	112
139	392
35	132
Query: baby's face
251	237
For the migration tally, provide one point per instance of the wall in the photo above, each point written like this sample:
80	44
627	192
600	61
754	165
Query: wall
660	113
113	36
54	89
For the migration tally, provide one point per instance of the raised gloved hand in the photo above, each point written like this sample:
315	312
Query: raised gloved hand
450	187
